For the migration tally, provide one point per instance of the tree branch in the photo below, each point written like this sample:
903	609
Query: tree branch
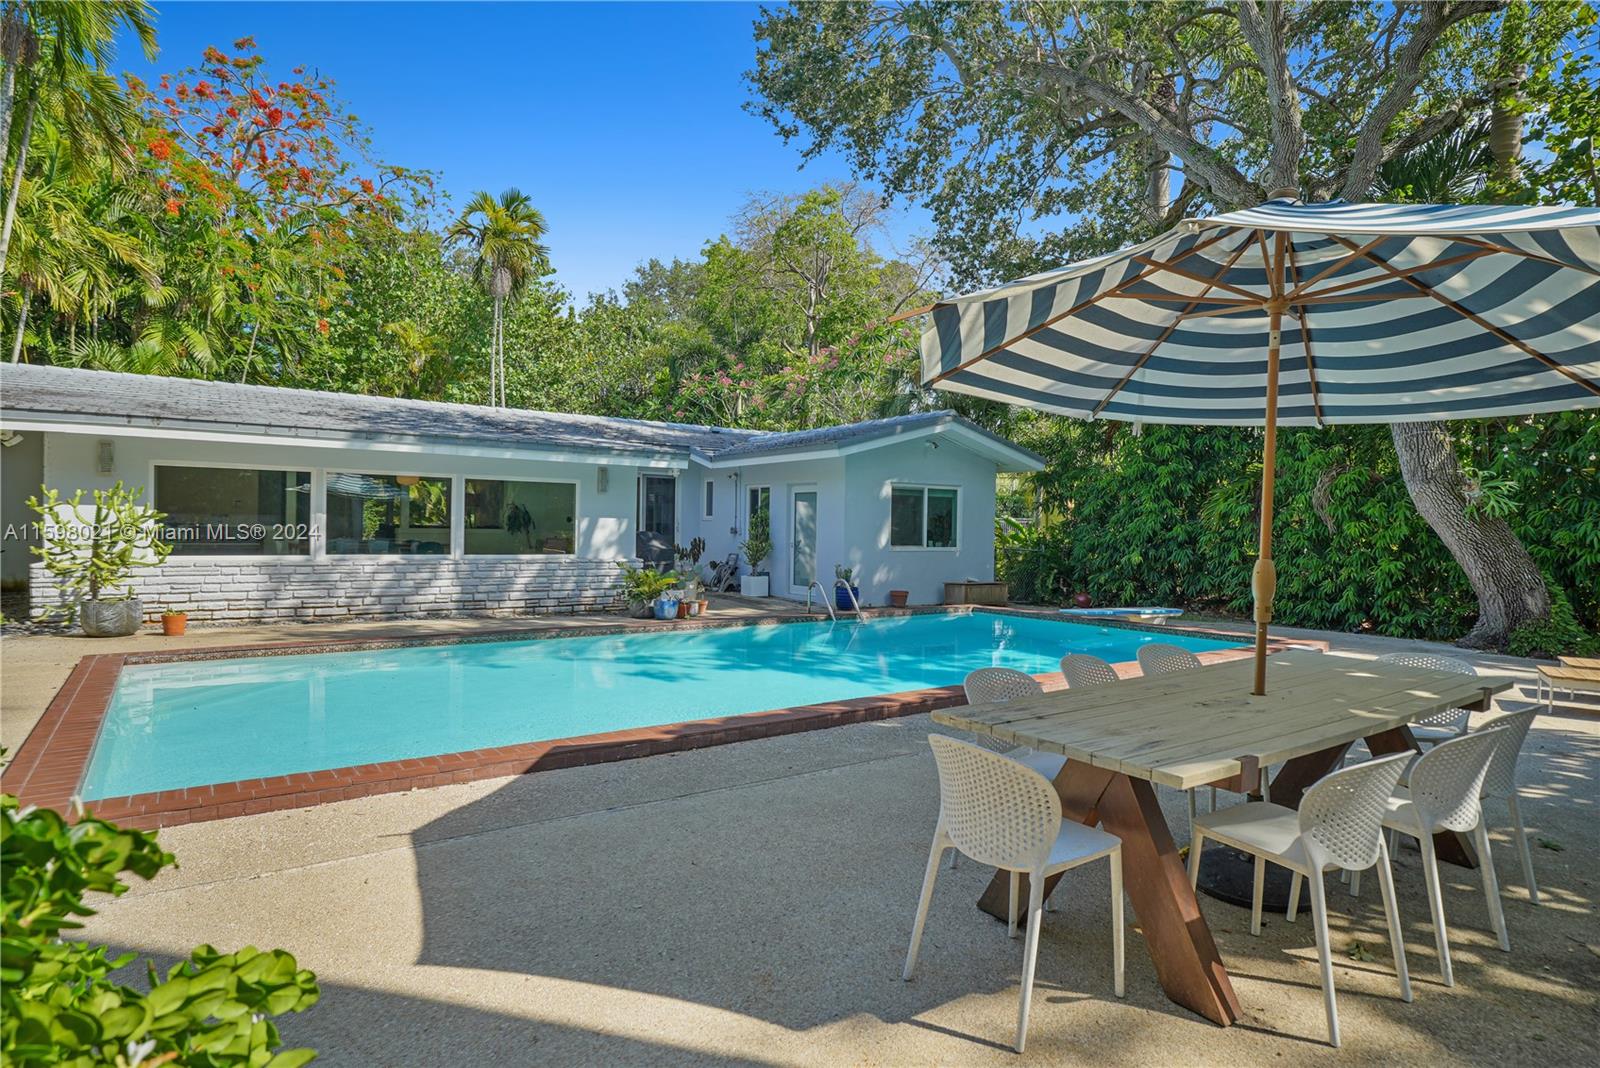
1407	72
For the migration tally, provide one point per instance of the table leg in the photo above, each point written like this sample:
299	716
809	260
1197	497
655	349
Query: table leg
1188	966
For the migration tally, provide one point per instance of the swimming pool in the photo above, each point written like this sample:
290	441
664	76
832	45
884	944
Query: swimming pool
181	724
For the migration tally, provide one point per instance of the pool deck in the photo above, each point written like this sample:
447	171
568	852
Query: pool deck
47	767
750	904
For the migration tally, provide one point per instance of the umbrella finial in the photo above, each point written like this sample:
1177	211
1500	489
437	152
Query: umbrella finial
1287	192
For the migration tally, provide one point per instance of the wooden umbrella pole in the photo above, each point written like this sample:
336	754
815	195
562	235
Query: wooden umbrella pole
1264	580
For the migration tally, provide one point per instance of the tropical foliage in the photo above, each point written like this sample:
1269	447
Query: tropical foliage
59	1002
231	220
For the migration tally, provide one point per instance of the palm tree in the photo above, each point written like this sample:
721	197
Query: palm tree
505	235
61	48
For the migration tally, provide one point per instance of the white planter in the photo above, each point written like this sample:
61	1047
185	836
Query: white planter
755	585
110	619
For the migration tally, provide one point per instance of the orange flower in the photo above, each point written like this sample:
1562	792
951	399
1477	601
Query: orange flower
366	185
322	327
173	205
160	149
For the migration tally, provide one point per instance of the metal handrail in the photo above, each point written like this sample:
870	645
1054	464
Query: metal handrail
850	593
825	602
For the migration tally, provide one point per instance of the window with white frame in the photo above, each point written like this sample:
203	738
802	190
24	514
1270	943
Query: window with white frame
922	517
711	498
234	511
375	514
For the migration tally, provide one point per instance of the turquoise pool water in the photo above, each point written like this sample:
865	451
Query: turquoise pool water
189	724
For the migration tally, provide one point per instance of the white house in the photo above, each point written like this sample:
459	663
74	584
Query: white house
285	503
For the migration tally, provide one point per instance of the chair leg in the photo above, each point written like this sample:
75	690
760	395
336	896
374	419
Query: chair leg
955	855
1441	936
1319	920
1213	799
1391	910
1491	887
1256	892
1030	952
1522	846
1196	843
1355	884
1294	898
1193	812
1011	913
939	846
1116	921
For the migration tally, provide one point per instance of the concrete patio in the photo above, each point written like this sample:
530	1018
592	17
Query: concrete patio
751	903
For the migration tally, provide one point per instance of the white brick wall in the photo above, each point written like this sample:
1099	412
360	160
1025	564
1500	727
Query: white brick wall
218	588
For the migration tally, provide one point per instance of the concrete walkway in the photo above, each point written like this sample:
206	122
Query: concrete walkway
750	904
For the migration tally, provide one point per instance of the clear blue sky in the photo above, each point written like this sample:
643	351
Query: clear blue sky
623	122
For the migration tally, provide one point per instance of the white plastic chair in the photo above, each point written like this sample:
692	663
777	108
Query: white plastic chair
1444	792
997	685
1339	825
1164	658
1082	671
1441	726
1008	816
1501	781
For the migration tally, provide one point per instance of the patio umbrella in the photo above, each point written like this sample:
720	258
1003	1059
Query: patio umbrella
1299	314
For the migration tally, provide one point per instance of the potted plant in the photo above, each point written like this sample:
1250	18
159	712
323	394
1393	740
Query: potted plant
842	600
898	598
174	622
688	559
756	548
643	587
93	561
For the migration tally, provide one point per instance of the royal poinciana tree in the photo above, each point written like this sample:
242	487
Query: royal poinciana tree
1041	133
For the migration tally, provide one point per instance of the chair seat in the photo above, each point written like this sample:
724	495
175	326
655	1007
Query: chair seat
1260	827
1047	764
1400	812
1433	735
1079	842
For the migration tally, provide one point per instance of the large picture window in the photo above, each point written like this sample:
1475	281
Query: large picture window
922	517
387	514
229	511
520	518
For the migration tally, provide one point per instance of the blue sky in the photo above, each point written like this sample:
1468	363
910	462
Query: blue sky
623	122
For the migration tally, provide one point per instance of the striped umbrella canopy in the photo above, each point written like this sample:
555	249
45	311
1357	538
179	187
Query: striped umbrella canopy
1304	314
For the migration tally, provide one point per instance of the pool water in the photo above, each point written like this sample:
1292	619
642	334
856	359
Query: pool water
188	724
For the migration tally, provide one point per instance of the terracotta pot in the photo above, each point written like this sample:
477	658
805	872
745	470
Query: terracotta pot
897	598
174	625
1082	600
683	609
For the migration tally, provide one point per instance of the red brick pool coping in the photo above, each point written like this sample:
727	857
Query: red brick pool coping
51	761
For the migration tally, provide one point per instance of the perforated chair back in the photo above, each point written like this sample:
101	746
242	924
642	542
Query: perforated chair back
1083	670
995	810
1160	658
1341	815
1446	782
1513	728
995	684
1453	718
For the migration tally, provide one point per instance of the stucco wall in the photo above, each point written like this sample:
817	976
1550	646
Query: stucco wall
853	517
869	478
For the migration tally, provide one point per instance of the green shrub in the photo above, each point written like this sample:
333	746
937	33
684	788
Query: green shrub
642	585
58	1002
1559	635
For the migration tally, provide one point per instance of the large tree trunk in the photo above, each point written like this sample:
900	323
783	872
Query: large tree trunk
1511	591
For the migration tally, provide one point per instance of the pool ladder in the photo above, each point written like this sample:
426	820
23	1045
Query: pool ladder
827	602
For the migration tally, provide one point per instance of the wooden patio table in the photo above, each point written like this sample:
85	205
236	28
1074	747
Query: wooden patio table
1203	726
